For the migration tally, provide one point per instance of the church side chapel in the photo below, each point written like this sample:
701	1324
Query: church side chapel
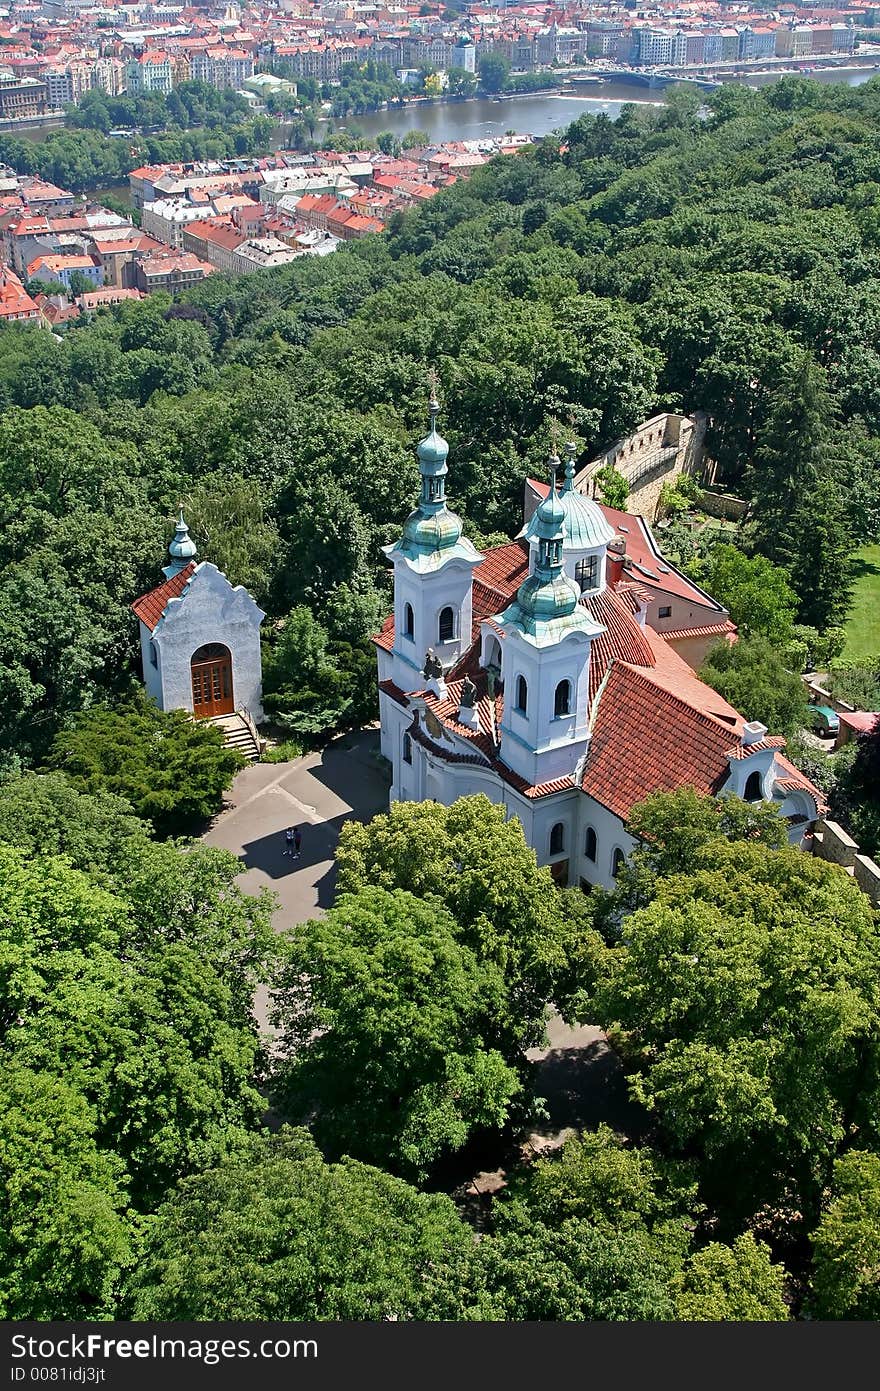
531	673
200	639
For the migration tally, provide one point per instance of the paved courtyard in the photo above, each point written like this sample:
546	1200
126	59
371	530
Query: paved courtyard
318	793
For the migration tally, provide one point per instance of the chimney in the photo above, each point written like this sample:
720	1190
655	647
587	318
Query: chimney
753	733
616	556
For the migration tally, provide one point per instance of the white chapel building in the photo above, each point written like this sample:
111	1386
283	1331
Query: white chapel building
532	673
200	638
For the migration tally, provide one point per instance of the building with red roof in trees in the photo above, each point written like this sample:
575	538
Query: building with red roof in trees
533	673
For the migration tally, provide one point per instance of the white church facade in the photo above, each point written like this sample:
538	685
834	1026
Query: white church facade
531	673
200	638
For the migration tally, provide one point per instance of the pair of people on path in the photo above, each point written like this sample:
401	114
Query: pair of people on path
293	841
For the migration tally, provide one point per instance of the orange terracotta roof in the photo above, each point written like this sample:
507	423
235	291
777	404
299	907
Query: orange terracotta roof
150	607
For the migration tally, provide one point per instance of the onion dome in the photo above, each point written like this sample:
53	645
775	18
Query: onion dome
432	533
182	549
585	526
547	605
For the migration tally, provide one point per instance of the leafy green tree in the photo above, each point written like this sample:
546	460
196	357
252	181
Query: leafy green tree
476	863
752	1062
756	593
493	72
846	1243
278	1233
388	1026
750	675
66	1232
573	1273
800	516
732	1284
615	489
172	770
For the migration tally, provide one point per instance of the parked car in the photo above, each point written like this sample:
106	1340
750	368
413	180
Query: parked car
822	720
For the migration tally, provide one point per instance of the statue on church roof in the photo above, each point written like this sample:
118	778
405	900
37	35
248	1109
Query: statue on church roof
433	667
468	696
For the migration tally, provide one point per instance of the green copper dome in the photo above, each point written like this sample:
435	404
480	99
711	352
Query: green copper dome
434	531
547	606
182	549
584	524
432	534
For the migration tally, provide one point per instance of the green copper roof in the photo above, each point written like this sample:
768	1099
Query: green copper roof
182	549
584	524
547	606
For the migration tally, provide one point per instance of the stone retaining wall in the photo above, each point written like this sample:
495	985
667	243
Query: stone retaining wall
832	843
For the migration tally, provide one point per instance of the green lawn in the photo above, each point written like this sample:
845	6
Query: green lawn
863	628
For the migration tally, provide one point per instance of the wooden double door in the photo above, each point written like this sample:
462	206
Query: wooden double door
211	667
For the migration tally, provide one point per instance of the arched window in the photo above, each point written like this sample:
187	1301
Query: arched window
590	844
586	572
154	654
557	839
408	621
618	860
446	625
562	700
754	787
522	694
407	749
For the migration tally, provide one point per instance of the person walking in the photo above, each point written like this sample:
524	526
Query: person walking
297	842
288	841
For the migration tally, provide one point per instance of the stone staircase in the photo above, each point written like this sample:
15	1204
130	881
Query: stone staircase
238	733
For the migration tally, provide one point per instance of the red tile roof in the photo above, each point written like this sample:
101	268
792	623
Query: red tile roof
150	607
705	631
645	739
761	746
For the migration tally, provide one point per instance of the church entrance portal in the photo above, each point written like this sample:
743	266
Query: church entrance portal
212	681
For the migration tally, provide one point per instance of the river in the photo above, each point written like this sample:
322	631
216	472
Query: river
537	114
541	113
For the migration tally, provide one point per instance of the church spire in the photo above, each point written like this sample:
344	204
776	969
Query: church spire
182	549
433	451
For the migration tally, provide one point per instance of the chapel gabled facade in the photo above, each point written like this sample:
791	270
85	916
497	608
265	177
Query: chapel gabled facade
200	638
531	674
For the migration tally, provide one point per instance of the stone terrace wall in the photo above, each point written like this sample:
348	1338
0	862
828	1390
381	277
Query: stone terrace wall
656	453
832	843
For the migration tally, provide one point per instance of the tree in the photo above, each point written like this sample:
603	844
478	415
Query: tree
756	593
141	1025
388	1027
753	1063
673	827
476	863
732	1284
278	1233
846	1243
66	1235
615	489
801	519
751	677
171	769
574	1273
493	72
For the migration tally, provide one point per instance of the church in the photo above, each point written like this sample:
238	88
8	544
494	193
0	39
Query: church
545	674
200	640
